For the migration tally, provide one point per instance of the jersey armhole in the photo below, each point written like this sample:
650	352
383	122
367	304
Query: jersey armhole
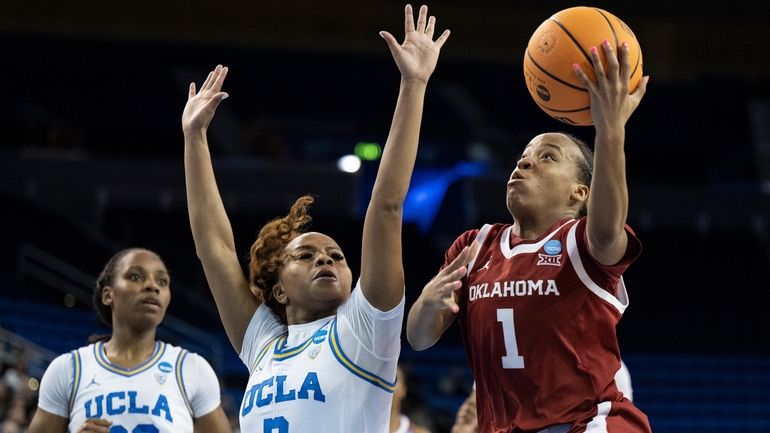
77	372
180	380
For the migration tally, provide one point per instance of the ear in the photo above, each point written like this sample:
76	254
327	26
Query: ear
579	194
279	294
107	296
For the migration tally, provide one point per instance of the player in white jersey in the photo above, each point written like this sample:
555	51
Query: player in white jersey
321	359
130	382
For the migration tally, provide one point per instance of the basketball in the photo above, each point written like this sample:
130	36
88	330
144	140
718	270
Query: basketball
566	38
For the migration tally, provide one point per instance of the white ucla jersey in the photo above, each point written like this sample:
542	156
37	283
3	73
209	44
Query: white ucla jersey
333	375
149	398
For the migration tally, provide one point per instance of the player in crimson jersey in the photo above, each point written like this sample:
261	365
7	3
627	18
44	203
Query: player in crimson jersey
539	298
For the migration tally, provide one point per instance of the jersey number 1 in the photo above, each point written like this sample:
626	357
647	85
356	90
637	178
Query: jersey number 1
511	358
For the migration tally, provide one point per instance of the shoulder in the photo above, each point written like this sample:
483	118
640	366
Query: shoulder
62	364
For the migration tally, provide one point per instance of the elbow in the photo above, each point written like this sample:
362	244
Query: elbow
417	342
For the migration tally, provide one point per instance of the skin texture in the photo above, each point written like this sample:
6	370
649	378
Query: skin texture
543	189
382	275
138	296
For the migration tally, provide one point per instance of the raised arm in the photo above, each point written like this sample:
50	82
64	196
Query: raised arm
611	107
211	229
382	272
436	308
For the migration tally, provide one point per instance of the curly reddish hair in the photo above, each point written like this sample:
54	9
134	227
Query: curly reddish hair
266	255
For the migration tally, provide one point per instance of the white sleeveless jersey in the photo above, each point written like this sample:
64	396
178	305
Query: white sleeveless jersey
333	375
149	398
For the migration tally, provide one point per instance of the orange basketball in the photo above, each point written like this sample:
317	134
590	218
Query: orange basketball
567	38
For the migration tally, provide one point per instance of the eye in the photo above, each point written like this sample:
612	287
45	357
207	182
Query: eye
134	277
548	155
163	282
306	255
338	257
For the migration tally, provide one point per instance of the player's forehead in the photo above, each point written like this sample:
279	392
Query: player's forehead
312	240
142	259
553	140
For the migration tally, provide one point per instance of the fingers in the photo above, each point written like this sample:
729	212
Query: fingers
422	19
612	59
451	303
641	89
625	62
391	41
460	261
95	426
219	79
441	39
213	83
431	27
207	81
582	76
598	67
408	19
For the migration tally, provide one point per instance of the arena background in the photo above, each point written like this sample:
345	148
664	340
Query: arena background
91	162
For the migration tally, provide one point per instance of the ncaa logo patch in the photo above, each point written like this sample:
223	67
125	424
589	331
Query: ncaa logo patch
165	367
319	336
552	247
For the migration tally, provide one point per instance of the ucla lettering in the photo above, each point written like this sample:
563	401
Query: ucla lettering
118	402
513	288
262	393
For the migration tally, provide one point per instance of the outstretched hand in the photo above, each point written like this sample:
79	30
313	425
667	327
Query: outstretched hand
611	104
201	106
440	291
416	58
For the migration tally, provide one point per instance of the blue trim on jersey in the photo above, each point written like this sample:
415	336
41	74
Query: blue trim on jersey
180	379
77	374
101	359
282	354
264	351
355	369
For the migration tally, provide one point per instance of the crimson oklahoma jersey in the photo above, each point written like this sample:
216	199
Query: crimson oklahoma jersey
538	324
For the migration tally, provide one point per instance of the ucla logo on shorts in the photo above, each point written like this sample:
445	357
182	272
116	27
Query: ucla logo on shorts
319	336
552	247
165	367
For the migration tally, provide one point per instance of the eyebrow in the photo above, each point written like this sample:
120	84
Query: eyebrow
551	145
143	269
312	248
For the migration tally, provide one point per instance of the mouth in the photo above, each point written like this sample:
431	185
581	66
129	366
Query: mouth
151	301
325	274
516	177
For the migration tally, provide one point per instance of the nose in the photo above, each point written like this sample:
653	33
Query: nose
323	259
152	286
524	163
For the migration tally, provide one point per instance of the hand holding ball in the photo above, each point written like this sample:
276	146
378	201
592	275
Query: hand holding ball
564	39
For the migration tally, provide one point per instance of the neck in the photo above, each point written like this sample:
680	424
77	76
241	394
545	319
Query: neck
530	227
296	316
128	347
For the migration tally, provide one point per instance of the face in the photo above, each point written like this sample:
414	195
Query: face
140	291
545	178
315	278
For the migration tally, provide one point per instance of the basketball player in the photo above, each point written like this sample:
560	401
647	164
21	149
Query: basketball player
466	421
130	383
538	303
399	422
321	359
